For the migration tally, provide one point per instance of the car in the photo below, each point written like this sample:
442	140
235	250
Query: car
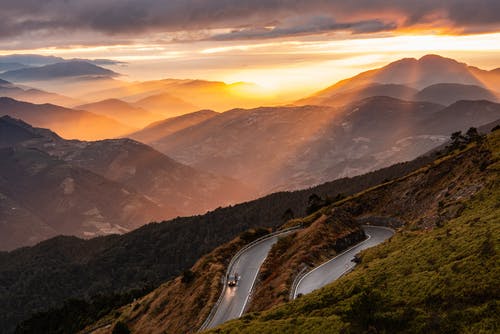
232	280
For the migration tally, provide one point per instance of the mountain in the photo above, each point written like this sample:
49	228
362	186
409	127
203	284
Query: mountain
163	180
4	67
150	255
440	267
69	123
51	197
166	104
415	73
213	95
122	112
71	68
30	59
28	94
160	129
461	115
279	148
355	94
447	93
444	214
175	189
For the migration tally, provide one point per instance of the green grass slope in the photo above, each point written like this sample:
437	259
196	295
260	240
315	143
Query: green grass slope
440	279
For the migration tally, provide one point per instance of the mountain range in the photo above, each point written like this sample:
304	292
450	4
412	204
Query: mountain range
81	194
279	148
431	78
69	123
55	186
65	69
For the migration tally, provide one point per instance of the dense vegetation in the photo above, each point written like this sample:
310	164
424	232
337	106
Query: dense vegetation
441	278
37	278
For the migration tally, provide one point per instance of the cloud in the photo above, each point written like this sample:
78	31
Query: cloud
33	20
312	25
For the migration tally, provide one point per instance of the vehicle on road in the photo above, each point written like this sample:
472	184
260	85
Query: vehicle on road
232	280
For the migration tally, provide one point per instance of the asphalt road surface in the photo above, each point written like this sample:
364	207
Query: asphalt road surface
247	266
341	264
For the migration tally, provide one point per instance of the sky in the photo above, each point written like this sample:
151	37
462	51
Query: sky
296	46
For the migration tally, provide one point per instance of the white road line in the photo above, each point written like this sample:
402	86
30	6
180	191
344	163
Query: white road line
325	263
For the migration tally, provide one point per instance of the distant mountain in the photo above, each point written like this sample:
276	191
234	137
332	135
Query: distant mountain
448	93
461	115
11	66
171	188
355	94
69	123
30	59
214	95
166	104
296	147
161	129
49	197
122	112
415	73
28	94
60	70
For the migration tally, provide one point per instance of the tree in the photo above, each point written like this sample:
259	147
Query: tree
314	204
121	328
187	276
287	215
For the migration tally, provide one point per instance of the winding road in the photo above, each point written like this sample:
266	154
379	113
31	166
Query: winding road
247	266
342	263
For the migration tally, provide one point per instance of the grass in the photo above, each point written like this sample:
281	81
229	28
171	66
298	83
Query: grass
443	279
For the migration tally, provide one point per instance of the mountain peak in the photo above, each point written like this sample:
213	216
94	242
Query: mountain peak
64	69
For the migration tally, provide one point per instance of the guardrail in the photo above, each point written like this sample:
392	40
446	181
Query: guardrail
296	281
231	264
302	275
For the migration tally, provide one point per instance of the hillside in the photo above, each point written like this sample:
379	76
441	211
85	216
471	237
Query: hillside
50	197
28	94
438	274
156	131
423	205
283	148
69	123
122	112
447	94
171	188
141	254
166	104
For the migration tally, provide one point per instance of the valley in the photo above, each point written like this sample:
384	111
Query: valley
123	203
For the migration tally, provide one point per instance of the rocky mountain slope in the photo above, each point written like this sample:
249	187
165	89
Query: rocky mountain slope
295	147
170	188
50	197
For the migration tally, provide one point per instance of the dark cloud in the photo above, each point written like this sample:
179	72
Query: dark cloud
249	18
312	25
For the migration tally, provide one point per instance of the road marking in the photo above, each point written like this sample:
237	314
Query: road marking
325	263
341	254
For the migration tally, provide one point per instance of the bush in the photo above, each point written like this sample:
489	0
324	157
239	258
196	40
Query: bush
121	328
